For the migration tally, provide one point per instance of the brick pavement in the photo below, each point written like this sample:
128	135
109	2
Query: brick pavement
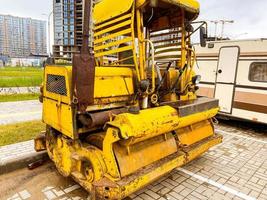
235	169
13	112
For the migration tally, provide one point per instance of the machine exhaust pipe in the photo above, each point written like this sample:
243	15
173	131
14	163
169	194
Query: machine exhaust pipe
99	119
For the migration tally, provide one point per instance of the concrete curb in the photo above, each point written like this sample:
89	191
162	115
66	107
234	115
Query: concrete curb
19	90
21	162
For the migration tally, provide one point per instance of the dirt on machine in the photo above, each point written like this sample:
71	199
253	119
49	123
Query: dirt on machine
125	111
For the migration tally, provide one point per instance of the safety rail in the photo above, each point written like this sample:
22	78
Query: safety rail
114	36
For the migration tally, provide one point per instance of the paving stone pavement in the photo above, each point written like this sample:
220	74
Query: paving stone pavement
13	112
235	169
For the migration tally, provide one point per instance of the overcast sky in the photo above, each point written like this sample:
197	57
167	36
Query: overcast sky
250	16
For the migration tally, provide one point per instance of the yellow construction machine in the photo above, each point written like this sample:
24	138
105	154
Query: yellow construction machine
125	112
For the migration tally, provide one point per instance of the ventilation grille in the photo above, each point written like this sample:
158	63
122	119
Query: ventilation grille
56	84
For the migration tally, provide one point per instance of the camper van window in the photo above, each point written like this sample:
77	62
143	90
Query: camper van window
258	72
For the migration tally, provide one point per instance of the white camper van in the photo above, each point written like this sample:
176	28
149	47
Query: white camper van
235	72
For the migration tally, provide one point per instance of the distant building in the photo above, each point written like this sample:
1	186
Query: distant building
68	27
22	37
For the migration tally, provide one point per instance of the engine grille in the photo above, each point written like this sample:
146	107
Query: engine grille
56	84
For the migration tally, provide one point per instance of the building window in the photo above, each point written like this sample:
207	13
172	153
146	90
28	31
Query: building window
66	41
258	72
57	1
72	42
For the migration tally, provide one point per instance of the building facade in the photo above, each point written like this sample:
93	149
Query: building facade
68	16
22	37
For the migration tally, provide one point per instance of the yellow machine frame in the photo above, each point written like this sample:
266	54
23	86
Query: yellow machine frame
108	148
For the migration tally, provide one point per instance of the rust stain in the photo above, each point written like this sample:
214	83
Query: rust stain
239	146
225	151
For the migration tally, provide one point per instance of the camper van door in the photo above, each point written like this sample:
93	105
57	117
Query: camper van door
226	77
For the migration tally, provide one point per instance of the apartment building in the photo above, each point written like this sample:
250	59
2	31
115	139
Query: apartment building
68	16
21	37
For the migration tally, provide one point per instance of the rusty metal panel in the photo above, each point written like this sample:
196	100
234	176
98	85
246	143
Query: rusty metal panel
83	77
83	80
198	105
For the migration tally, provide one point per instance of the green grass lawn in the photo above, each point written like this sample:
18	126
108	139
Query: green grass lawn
18	97
20	76
20	132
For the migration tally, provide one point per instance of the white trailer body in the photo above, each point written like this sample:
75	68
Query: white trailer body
235	72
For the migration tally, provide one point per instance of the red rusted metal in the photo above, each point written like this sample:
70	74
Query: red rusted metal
83	72
99	119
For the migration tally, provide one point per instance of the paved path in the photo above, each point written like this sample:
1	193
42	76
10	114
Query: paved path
12	112
236	169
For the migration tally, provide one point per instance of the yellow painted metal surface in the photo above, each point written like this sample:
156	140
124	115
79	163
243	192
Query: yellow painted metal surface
59	116
111	85
40	142
178	160
124	188
57	110
195	132
130	158
112	28
101	183
113	82
106	166
156	121
103	11
106	78
141	45
189	5
70	159
131	150
60	71
116	38
202	148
